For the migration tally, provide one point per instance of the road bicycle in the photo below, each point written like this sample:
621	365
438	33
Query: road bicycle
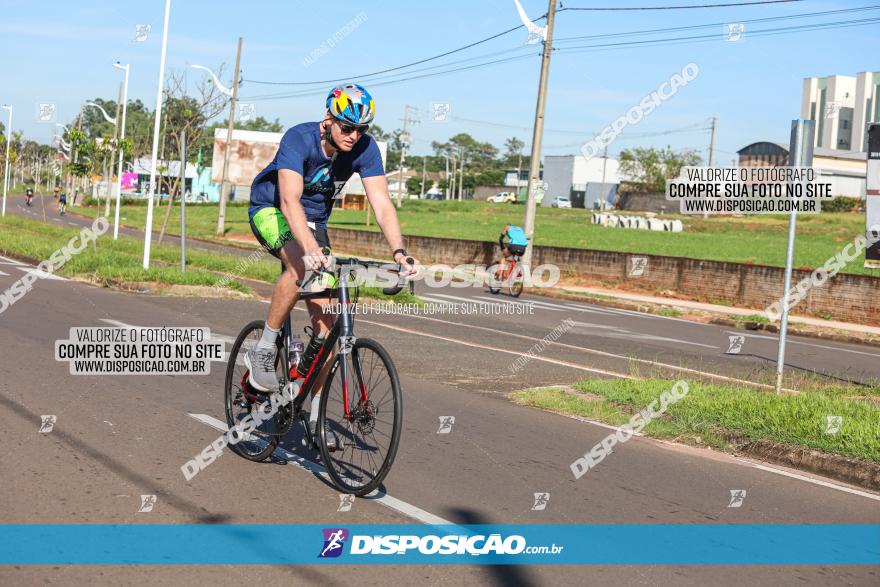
512	277
360	410
62	206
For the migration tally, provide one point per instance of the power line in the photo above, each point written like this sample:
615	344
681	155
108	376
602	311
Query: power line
711	37
390	69
715	24
683	7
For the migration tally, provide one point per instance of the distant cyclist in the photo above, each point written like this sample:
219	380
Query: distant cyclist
62	202
57	191
515	244
29	195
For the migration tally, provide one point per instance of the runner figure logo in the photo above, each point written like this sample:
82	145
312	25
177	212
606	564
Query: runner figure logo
833	424
147	503
46	111
736	344
346	500
141	32
446	423
735	32
334	541
440	111
639	265
737	496
541	501
47	423
246	111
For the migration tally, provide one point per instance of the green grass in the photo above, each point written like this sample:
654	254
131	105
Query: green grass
757	239
671	312
120	261
718	412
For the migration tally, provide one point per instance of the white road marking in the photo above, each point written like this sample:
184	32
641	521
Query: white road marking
495	332
41	274
383	499
73	224
3	273
790	341
8	261
810	479
506	351
529	303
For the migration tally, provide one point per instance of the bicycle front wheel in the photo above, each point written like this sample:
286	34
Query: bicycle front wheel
361	408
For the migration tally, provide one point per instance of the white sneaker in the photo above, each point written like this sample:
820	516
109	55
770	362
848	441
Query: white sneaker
261	366
332	443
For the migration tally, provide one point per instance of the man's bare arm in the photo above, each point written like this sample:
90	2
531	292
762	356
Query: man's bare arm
386	216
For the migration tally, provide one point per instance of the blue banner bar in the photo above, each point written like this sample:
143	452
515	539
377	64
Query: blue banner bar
527	544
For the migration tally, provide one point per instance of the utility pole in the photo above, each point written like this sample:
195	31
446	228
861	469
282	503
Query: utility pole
115	151
538	134
157	119
182	201
446	191
404	141
711	153
604	167
424	162
712	143
224	188
461	152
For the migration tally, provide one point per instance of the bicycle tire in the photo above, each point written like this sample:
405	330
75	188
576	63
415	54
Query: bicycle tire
494	283
334	469
515	281
232	393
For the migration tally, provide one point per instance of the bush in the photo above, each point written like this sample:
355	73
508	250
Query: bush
840	204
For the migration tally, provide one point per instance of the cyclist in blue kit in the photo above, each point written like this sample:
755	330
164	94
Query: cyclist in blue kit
291	201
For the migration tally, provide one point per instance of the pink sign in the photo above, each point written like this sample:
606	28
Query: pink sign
129	181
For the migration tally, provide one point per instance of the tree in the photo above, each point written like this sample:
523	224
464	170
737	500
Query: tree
649	168
414	185
513	147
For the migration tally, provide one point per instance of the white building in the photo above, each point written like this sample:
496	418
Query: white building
842	107
584	181
844	170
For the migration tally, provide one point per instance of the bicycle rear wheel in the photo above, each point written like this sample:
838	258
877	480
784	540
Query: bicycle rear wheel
367	434
241	401
515	281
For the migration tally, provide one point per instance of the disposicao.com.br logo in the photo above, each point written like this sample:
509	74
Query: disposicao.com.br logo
430	544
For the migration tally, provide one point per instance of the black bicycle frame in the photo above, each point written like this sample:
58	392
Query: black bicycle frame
343	328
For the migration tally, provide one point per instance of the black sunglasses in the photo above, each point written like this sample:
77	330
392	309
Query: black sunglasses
347	128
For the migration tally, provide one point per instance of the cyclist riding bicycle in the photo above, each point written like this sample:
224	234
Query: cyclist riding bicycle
291	200
57	191
515	245
62	202
29	196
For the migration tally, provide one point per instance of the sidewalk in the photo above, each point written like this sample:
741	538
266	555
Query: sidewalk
716	309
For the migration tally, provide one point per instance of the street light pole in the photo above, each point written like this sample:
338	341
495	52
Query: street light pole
6	166
148	231
538	135
126	69
800	155
224	188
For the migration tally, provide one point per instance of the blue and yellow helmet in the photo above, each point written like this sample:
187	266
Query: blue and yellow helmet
351	103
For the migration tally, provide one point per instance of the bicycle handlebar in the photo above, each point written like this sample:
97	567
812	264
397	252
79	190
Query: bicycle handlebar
341	261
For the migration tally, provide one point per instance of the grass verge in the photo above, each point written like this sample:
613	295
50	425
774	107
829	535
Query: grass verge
723	416
119	262
751	239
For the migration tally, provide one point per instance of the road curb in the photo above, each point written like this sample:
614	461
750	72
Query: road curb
851	470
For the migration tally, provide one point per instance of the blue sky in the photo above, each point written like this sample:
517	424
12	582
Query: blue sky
62	52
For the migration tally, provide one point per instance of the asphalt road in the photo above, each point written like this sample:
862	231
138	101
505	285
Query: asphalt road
118	437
